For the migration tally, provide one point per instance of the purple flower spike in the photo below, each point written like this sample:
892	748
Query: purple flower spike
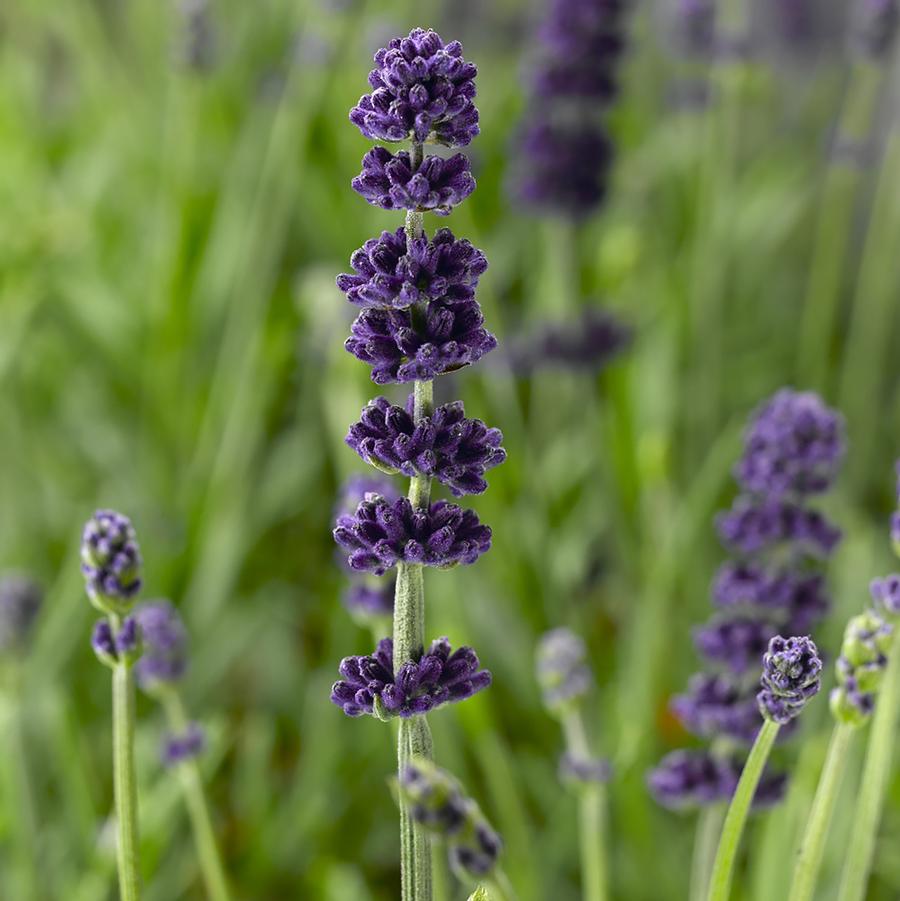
186	746
365	600
20	603
388	181
439	676
734	642
689	779
164	660
791	676
391	275
718	705
103	643
446	446
794	445
110	561
886	595
423	90
401	347
129	638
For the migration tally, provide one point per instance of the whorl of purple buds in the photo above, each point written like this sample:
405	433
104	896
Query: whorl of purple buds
178	748
861	666
439	676
445	445
394	273
381	534
401	347
165	656
388	181
718	704
795	444
791	676
365	600
734	642
474	853
886	595
876	27
20	603
422	90
561	668
110	560
582	770
111	647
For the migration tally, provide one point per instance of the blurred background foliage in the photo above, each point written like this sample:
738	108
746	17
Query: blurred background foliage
175	205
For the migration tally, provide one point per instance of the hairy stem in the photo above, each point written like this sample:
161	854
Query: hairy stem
124	781
414	736
723	868
870	799
709	825
195	799
810	856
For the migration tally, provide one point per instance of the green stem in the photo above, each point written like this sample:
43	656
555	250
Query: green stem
124	781
591	815
870	799
195	799
709	825
810	856
499	887
723	868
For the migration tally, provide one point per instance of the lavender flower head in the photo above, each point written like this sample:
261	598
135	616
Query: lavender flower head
422	90
110	561
562	672
381	534
684	780
440	676
795	444
164	661
20	603
861	667
791	676
178	748
445	445
110	647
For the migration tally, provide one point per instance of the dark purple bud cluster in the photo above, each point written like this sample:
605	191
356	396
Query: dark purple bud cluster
165	656
422	90
110	561
562	672
111	647
437	185
445	445
566	154
20	603
437	801
394	273
439	676
178	748
790	677
381	534
774	586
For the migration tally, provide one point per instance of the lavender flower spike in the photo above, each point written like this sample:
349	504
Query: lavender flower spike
445	445
561	669
381	534
791	676
422	90
110	561
439	676
164	661
20	603
177	748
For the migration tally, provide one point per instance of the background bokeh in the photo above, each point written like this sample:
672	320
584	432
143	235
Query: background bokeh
174	206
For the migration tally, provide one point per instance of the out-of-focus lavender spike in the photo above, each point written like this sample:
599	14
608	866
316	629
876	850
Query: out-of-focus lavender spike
20	603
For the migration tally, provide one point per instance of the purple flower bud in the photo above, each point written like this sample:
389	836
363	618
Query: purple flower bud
422	90
128	638
366	600
357	487
795	444
582	770
390	275
689	779
562	673
886	595
103	643
388	181
446	446
734	642
110	561
475	852
381	534
186	746
401	347
20	603
791	676
439	676
435	798
165	639
718	705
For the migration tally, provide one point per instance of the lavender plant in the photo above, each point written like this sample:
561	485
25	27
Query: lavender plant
790	677
159	672
792	451
111	564
419	320
565	682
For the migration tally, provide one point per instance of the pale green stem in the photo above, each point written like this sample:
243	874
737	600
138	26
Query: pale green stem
709	825
124	780
723	868
414	736
591	815
499	887
870	799
195	799
812	847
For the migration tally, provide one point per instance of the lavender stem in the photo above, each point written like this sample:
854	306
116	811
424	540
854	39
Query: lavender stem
709	826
